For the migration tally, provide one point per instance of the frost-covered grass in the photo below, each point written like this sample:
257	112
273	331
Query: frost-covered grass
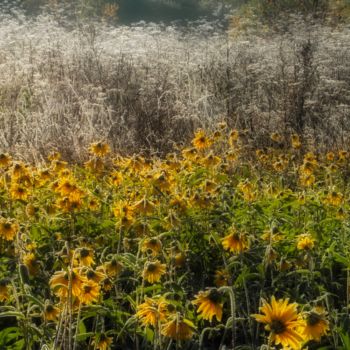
144	86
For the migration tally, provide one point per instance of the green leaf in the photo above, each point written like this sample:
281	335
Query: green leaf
345	338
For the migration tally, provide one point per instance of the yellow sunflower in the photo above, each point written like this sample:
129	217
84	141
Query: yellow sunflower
283	322
8	229
233	137
95	276
209	304
305	241
316	324
334	198
18	192
248	190
5	160
307	180
235	242
111	268
51	312
221	277
86	257
60	280
32	263
153	271
276	137
295	140
102	342
178	328
90	292
99	149
153	245
152	311
201	140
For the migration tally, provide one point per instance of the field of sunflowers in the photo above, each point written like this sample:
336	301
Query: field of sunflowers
215	246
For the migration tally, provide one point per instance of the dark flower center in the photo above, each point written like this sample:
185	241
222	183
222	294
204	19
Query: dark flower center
49	308
87	289
151	267
6	226
84	253
214	296
277	326
313	319
90	274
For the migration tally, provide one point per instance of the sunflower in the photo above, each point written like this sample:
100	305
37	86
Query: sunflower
124	210
279	166
201	140
295	140
32	263
180	259
102	342
209	304
189	153
340	214
248	190
99	149
330	156
307	180
307	168
178	328
58	165
153	271
316	324
19	169
60	280
305	241
4	290
153	245
90	292
152	311
95	276
86	257
93	204
276	137
65	187
17	191
211	160
334	198
5	160
283	322
70	203
106	284
233	137
221	278
116	178
235	242
8	229
51	312
111	268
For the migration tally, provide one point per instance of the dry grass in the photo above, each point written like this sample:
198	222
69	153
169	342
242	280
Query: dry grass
145	87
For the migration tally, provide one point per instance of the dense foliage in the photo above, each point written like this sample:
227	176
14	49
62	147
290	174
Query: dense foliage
180	252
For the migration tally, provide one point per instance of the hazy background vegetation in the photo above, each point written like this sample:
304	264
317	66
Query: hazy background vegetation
75	72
